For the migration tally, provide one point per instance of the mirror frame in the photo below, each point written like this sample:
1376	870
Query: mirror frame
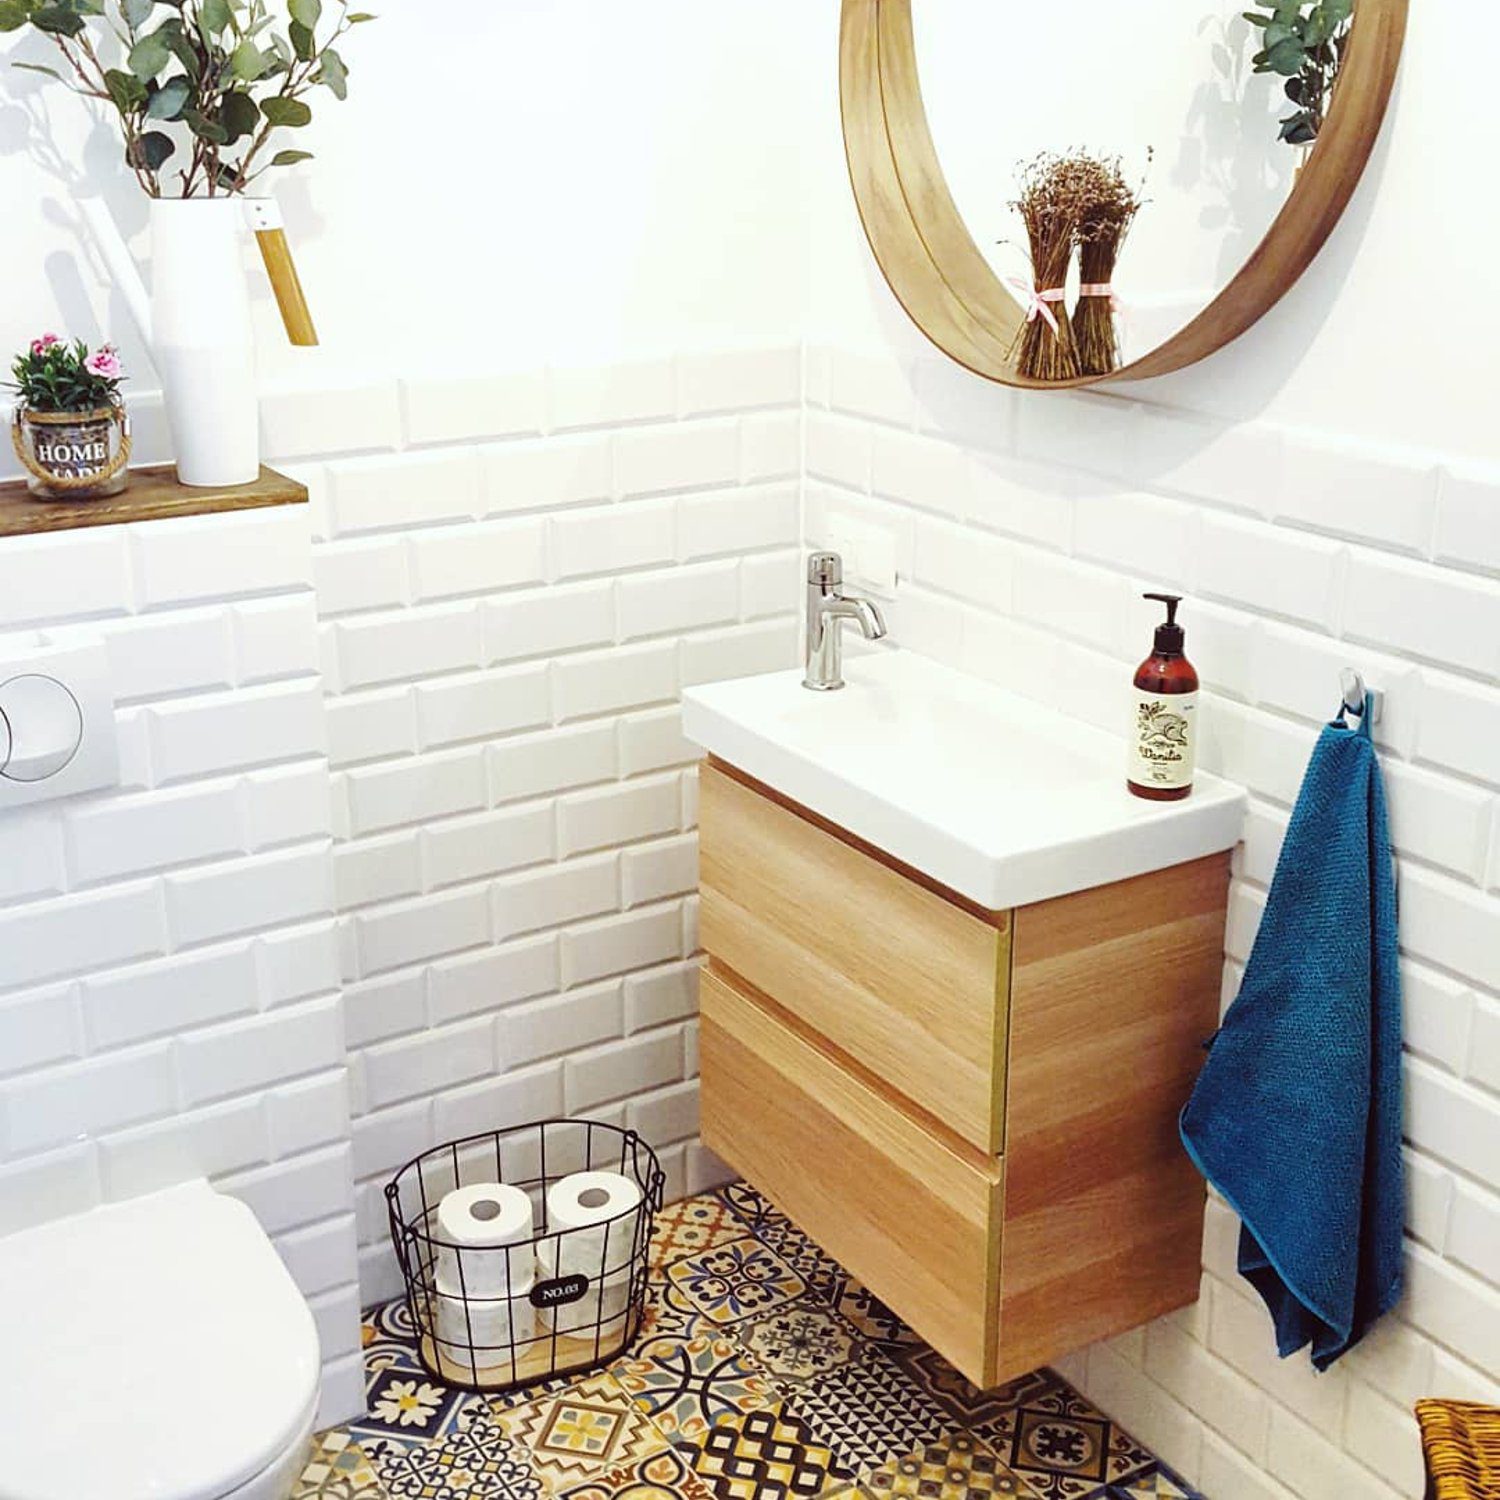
951	292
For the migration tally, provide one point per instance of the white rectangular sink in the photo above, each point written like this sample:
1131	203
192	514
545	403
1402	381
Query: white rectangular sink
996	797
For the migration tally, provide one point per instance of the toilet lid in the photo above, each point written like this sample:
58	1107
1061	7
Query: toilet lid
157	1350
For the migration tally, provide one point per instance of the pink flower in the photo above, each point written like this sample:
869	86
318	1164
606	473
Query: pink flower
43	344
105	364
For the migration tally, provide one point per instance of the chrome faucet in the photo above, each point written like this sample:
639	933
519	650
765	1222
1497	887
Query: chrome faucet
827	607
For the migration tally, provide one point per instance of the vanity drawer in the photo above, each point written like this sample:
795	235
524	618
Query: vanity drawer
910	984
911	1216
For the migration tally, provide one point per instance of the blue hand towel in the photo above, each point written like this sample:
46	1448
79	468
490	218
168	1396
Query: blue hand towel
1296	1116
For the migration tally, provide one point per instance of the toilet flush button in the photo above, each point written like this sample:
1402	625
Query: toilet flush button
44	727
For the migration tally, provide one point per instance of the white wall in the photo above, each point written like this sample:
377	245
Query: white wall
570	194
1327	492
643	184
510	607
169	984
506	184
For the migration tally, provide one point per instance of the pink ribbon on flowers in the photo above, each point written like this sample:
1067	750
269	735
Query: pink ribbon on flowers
1102	289
1036	300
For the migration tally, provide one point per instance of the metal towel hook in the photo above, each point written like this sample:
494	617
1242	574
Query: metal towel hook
1352	686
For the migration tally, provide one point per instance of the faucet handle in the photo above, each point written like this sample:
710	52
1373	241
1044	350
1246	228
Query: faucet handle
825	568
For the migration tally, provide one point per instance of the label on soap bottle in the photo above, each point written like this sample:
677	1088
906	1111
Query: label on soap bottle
1164	740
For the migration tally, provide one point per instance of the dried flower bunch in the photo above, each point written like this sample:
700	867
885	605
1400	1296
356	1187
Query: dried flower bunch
1054	192
214	79
1080	201
1111	207
54	375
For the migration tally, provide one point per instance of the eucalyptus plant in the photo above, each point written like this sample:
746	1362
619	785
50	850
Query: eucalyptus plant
201	86
1303	42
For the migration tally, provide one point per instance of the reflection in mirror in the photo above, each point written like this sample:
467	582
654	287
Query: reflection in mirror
1170	89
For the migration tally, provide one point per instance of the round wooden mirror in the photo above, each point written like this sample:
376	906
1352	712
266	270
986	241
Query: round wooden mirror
1223	264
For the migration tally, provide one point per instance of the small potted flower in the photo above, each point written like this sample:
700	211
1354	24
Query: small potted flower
69	424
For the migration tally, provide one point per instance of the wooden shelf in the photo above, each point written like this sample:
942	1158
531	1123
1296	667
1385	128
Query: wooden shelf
152	495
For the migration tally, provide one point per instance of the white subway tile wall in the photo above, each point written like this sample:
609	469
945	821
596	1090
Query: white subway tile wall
169	1000
1026	526
511	581
239	966
510	605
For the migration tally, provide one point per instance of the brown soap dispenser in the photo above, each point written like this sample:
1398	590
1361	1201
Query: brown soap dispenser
1164	729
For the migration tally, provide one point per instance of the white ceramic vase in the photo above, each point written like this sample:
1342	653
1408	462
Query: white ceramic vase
197	323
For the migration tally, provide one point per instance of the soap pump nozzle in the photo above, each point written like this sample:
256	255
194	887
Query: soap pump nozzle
1170	637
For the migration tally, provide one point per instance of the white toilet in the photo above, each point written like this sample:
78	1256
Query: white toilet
156	1349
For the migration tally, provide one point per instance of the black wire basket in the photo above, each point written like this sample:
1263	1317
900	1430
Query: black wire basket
573	1299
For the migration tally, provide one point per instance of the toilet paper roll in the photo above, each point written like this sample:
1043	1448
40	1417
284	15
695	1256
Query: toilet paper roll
487	1228
605	1304
581	1200
481	1332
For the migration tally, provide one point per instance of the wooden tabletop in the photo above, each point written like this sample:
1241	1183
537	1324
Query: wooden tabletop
153	494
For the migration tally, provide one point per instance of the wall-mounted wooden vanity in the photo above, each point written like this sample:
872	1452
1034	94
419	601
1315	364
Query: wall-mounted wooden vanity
972	1107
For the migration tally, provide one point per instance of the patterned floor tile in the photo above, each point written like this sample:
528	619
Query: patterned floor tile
390	1337
963	1400
733	1281
406	1404
591	1426
764	1371
763	1455
475	1461
958	1467
799	1342
688	1386
752	1209
663	1476
825	1277
867	1413
693	1225
1157	1482
1065	1448
871	1316
671	1313
338	1470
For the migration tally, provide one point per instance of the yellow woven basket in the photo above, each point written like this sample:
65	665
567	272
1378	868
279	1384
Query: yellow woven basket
1461	1443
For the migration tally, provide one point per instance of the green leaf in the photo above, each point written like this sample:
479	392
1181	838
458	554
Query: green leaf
1255	18
282	48
1277	32
151	150
1286	57
149	56
291	112
168	101
57	20
14	14
137	12
214	16
302	41
356	16
332	72
290	158
183	49
247	62
1297	129
305	12
1337	11
127	93
239	115
204	128
40	68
